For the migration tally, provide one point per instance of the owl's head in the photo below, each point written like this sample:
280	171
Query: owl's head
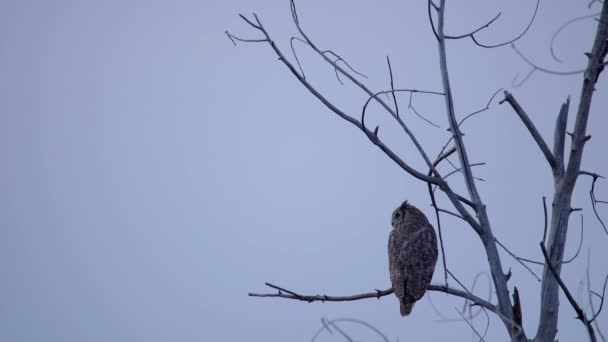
400	213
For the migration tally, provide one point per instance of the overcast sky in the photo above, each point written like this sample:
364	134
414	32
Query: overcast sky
152	174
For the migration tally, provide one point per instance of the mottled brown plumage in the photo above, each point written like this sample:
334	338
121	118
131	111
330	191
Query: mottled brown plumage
412	255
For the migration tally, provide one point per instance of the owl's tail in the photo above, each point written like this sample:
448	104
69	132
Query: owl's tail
406	308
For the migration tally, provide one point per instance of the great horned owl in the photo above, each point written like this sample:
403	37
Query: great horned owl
412	255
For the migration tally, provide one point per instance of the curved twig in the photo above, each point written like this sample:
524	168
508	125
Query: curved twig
580	245
295	55
511	41
326	323
437	216
411	106
470	34
536	67
594	201
480	110
562	28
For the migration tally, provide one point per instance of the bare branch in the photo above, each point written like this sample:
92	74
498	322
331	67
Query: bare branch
484	230
461	122
531	128
462	154
579	312
373	137
454	198
288	294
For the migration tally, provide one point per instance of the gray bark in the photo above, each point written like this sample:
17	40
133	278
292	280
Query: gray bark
565	180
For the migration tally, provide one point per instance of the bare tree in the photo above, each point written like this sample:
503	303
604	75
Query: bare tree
565	167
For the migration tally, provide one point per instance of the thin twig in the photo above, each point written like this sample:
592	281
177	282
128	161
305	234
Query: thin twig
589	293
460	170
599	310
511	41
594	201
480	110
235	39
520	260
470	325
546	220
486	25
451	213
390	72
580	245
437	216
410	106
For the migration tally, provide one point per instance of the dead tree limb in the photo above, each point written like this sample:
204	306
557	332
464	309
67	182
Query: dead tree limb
565	181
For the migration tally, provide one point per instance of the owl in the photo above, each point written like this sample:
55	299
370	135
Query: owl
412	255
